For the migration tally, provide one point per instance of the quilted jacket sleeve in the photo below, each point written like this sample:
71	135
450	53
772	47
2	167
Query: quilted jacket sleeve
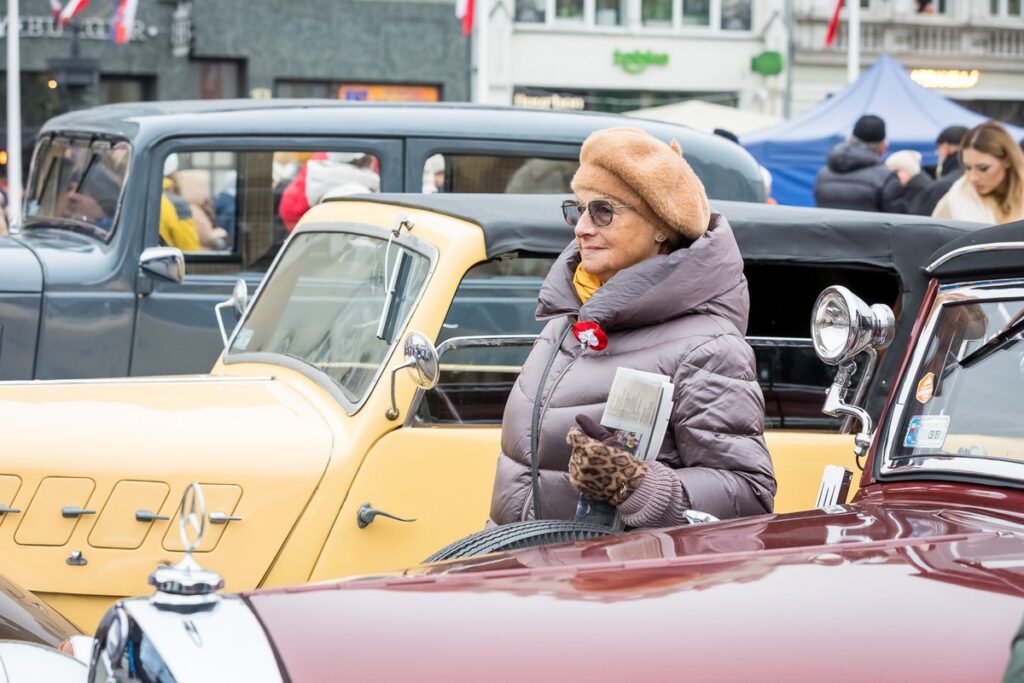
718	424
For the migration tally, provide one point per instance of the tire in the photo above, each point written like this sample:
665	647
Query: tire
527	534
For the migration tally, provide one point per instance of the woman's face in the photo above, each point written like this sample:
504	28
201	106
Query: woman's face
984	171
626	241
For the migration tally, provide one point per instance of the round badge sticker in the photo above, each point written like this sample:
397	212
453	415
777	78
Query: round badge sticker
925	387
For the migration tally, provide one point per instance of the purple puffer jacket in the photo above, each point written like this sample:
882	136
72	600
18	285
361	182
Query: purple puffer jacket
683	315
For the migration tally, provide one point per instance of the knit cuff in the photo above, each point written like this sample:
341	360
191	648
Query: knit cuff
659	501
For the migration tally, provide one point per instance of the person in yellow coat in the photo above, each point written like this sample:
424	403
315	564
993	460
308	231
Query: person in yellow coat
177	225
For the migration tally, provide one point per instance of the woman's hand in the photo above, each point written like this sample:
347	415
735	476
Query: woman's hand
598	468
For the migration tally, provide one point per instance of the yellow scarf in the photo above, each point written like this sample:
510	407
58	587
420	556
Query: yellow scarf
585	284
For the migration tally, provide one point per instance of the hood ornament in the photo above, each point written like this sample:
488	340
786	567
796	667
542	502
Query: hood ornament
186	584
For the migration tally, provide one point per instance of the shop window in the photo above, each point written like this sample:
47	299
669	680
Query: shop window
656	13
696	12
231	210
610	12
1005	8
736	15
569	10
497	174
115	89
220	80
531	11
284	88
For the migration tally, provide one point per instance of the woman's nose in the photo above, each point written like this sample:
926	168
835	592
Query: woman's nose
584	226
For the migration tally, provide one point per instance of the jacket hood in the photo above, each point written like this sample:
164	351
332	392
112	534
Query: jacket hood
706	277
20	270
850	156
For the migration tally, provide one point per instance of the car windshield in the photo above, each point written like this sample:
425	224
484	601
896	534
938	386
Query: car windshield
323	306
76	184
969	408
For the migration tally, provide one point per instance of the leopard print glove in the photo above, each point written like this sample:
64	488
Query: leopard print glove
603	472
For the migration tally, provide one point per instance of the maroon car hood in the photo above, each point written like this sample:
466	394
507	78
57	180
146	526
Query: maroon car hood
890	588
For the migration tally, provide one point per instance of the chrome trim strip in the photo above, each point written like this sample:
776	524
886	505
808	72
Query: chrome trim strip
485	341
994	246
172	379
403	239
971	466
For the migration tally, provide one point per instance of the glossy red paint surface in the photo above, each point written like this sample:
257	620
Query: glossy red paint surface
913	582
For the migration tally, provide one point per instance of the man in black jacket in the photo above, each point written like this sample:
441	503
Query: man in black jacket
854	176
947	147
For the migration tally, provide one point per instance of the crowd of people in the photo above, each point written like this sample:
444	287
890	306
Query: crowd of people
979	175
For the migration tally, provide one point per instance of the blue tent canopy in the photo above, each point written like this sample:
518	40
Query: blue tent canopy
795	150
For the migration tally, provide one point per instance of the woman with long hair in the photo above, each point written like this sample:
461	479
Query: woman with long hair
992	187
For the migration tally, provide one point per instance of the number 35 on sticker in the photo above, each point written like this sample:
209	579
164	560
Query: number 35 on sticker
927	431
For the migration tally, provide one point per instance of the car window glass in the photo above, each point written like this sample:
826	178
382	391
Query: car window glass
972	411
498	297
76	183
476	173
322	306
230	211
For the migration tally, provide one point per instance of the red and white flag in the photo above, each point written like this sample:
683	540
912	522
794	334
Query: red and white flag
124	20
70	10
464	12
833	24
55	8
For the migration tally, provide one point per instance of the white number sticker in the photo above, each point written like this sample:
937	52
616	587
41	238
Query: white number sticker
927	431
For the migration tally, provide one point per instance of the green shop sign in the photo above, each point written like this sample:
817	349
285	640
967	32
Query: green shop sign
636	62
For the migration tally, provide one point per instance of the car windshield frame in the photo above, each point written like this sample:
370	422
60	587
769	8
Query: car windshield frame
401	239
890	463
43	166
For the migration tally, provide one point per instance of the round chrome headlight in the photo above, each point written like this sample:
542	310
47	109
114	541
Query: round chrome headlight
842	325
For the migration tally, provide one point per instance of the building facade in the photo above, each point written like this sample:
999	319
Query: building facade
971	51
619	55
353	49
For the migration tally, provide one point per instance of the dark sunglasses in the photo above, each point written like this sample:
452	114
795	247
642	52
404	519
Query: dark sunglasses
601	211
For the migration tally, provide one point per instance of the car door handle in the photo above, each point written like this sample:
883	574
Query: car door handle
75	511
367	514
223	518
147	516
4	510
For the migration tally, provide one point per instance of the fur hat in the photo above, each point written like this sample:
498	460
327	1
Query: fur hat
642	172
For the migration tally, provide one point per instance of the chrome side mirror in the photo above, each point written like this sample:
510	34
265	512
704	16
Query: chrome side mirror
164	263
421	358
239	301
842	326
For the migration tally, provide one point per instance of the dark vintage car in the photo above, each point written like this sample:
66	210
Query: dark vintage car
920	577
85	290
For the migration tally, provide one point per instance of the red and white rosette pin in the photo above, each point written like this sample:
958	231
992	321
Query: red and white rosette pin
590	335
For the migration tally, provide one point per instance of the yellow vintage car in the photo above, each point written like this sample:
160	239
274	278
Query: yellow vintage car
321	443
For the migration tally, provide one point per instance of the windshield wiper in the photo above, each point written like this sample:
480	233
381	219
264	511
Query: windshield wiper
996	341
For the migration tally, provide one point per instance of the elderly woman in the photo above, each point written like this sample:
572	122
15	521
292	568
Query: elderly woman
991	189
662	278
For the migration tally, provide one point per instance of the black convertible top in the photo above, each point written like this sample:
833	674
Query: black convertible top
995	251
765	233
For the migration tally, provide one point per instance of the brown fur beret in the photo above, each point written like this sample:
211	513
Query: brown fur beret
636	169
